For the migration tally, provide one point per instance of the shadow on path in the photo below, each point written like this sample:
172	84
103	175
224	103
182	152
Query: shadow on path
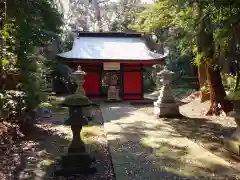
46	145
204	132
144	148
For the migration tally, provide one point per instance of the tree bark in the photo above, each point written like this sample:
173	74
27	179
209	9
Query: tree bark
2	18
217	93
237	81
235	52
202	68
202	77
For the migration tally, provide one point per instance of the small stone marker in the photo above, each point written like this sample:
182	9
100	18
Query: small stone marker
166	106
113	93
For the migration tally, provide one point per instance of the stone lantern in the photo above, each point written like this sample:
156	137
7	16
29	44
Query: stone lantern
76	160
78	77
166	106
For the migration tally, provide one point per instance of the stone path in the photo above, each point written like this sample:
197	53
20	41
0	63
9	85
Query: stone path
143	147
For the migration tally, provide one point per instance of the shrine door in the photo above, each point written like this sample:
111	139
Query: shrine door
110	78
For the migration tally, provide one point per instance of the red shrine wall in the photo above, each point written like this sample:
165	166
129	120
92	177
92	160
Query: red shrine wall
91	85
92	79
132	81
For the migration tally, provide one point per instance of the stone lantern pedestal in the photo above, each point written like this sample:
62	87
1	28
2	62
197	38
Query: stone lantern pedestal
166	106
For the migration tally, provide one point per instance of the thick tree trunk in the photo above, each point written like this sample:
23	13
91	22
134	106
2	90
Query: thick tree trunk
235	52
237	74
1	75
237	81
202	77
217	93
2	18
202	68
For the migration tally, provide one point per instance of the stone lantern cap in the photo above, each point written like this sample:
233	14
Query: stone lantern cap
79	71
166	75
165	72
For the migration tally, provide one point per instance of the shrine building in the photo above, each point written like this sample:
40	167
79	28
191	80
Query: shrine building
111	61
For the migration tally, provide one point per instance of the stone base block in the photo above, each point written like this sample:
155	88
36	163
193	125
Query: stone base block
75	163
169	110
232	143
69	172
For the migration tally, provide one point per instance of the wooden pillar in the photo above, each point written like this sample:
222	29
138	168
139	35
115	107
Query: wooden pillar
142	81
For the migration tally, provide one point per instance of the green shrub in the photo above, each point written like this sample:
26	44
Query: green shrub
13	105
228	82
234	95
205	88
45	105
148	85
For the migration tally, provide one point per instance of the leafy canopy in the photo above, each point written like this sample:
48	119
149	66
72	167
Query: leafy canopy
183	20
25	30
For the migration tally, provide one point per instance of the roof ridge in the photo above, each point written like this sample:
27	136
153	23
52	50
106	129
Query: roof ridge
109	34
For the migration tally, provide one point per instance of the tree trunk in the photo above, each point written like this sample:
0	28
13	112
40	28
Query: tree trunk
1	74
217	93
2	18
236	53
202	68
237	81
97	12
202	77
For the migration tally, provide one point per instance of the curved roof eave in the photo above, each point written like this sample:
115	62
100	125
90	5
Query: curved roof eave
110	48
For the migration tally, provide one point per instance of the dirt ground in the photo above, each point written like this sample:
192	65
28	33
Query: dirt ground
33	158
207	131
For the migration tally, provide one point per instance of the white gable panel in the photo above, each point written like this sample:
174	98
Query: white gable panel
122	48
